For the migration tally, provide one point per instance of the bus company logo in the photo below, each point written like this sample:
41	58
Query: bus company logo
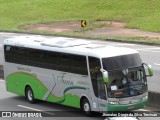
23	69
62	80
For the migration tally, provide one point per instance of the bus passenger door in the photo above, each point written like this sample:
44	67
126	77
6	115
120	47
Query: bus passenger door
99	92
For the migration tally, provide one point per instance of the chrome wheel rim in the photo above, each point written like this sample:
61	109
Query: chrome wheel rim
30	95
86	107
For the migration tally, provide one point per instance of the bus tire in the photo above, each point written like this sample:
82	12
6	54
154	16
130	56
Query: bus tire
86	108
29	95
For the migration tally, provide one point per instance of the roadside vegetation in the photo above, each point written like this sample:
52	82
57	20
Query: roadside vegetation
139	14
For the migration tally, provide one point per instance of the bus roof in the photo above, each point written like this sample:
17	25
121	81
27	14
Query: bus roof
69	45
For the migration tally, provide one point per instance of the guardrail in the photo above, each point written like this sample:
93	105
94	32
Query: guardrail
154	97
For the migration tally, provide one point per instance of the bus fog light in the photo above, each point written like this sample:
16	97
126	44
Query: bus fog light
113	102
144	98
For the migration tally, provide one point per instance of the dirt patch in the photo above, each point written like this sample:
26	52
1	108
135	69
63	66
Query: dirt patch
56	26
112	29
118	29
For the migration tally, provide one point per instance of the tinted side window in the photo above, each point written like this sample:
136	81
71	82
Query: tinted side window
23	56
67	62
46	59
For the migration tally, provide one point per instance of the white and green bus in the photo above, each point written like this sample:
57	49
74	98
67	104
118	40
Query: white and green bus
76	73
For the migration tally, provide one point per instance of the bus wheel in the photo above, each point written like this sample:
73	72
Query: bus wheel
86	108
29	95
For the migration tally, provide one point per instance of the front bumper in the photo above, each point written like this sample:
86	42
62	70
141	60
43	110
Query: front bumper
128	107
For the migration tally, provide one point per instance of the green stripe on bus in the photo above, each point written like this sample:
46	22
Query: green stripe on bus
67	99
16	83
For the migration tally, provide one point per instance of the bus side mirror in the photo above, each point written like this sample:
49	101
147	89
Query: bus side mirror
105	76
149	70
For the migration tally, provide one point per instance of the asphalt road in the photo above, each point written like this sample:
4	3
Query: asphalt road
149	54
12	102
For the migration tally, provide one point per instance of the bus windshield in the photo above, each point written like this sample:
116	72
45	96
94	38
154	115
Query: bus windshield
126	75
127	82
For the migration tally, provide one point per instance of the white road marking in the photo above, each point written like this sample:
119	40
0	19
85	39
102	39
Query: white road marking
29	108
143	110
145	50
34	109
150	48
157	64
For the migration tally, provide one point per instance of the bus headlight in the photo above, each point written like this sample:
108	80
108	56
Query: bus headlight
144	98
113	102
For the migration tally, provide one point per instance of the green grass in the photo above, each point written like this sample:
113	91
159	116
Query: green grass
140	14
